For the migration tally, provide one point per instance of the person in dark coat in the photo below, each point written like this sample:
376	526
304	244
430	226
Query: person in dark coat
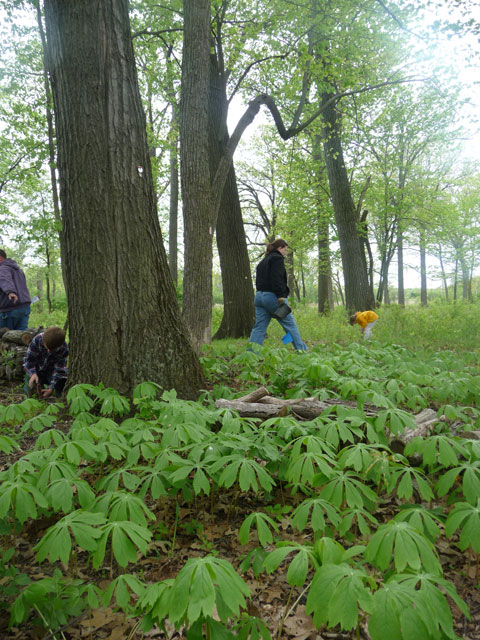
45	363
14	295
272	291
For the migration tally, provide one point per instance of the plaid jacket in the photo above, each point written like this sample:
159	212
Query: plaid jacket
50	365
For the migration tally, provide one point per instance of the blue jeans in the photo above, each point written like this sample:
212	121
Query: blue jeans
266	304
15	318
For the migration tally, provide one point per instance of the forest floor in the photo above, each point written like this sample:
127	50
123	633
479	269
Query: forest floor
201	529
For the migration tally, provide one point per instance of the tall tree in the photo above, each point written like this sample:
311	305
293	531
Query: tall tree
238	308
125	323
198	213
358	290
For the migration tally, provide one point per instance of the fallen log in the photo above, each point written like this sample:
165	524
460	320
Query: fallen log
426	421
268	407
11	361
18	336
258	404
253	396
250	409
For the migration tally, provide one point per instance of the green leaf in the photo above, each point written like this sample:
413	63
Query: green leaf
410	548
317	508
126	538
57	540
466	517
22	498
337	594
393	609
194	590
263	524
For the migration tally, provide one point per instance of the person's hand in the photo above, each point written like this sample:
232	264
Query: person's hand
44	393
33	380
281	300
13	296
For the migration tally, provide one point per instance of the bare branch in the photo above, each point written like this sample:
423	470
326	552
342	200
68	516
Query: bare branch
399	22
156	34
249	68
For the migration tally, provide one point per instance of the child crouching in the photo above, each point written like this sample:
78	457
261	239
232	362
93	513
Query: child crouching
45	363
366	320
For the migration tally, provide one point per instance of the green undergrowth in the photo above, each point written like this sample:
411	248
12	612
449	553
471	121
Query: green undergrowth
341	518
438	327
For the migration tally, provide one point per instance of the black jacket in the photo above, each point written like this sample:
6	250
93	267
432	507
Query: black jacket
272	275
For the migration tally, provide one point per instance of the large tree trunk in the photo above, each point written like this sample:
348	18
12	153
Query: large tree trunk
174	177
325	289
358	293
198	211
238	307
51	146
118	284
173	211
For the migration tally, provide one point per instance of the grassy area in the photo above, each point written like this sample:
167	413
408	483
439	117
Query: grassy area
436	327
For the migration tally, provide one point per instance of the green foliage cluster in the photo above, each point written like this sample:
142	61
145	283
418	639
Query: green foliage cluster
123	461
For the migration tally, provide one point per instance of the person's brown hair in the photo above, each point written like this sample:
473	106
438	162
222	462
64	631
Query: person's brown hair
3	254
352	319
53	337
277	244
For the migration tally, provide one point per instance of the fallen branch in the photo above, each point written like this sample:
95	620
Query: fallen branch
253	396
426	420
18	336
258	404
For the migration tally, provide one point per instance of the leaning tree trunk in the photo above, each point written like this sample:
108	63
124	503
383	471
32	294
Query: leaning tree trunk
238	307
198	211
358	293
125	324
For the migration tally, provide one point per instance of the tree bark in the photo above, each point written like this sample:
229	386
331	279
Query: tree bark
423	269
401	284
238	308
325	289
50	124
466	279
173	210
358	294
238	293
386	296
198	210
444	275
117	276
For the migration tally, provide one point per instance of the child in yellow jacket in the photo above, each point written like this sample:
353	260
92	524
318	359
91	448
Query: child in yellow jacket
366	319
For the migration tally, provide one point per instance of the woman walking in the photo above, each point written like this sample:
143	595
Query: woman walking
272	292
